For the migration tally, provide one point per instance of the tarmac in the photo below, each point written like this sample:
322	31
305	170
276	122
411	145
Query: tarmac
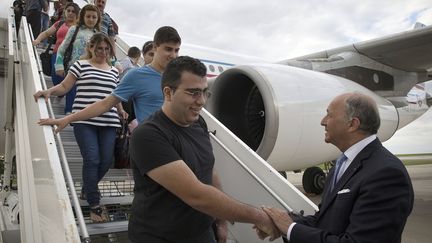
419	223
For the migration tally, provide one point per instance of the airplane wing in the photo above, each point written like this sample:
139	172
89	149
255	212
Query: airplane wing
403	51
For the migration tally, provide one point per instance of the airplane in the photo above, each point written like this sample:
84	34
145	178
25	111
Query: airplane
276	108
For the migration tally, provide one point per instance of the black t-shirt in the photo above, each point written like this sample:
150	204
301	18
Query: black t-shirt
156	212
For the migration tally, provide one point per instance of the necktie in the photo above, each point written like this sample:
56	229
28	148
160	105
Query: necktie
342	158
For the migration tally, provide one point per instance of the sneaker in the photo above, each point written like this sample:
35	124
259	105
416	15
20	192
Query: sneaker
98	214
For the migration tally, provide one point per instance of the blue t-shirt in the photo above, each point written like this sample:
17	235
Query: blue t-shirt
142	86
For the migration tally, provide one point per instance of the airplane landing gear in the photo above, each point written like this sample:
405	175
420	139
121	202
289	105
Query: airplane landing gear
313	180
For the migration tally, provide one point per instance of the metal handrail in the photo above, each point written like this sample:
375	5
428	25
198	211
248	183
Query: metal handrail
63	159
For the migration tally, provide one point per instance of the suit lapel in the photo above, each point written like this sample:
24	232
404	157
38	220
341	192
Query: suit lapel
348	174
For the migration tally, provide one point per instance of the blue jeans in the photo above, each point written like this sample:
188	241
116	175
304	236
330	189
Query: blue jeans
54	77
44	26
70	97
96	144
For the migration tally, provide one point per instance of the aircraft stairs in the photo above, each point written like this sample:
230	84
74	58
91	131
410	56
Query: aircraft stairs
116	188
46	205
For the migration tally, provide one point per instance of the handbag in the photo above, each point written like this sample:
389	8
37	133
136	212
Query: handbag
121	149
67	57
45	58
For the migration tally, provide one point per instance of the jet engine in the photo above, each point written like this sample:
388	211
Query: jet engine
277	109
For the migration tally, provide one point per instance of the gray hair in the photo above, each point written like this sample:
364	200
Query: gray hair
365	109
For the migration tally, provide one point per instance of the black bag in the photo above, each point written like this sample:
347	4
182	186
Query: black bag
52	39
67	57
45	58
121	149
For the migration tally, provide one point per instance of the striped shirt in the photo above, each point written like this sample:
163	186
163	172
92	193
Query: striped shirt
94	84
106	25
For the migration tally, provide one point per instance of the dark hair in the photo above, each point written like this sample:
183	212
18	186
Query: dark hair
134	52
74	5
365	109
166	34
147	47
172	74
95	41
89	7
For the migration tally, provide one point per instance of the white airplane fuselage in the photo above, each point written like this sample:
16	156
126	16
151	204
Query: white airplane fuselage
276	108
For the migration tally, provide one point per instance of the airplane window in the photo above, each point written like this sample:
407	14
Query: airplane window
211	67
220	68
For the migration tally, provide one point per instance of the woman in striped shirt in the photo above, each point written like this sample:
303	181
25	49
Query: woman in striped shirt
95	78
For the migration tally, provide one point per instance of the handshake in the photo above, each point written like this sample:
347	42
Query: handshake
274	224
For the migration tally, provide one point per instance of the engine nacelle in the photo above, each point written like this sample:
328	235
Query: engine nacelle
276	110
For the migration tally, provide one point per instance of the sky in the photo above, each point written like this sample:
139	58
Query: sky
280	29
275	29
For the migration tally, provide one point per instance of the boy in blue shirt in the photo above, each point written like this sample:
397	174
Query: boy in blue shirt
142	85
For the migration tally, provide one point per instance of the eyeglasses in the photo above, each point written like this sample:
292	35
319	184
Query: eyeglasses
196	93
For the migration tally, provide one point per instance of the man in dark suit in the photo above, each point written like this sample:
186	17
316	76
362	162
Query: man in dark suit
368	195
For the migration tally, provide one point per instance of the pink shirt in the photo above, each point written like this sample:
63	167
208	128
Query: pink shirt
61	34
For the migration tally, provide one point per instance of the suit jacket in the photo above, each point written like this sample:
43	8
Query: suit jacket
369	203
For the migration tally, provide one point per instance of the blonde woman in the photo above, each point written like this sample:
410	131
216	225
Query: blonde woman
95	78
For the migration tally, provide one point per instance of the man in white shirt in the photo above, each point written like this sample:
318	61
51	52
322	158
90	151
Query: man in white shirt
370	197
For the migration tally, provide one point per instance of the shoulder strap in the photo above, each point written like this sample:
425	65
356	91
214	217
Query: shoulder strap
70	46
75	34
60	23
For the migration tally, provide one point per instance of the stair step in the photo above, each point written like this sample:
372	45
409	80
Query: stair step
122	200
107	228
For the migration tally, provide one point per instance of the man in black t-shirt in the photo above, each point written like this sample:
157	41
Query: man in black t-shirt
177	192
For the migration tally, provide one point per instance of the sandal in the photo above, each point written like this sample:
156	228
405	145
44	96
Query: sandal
98	214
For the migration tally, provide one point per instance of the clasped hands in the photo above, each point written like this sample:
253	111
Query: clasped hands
277	226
